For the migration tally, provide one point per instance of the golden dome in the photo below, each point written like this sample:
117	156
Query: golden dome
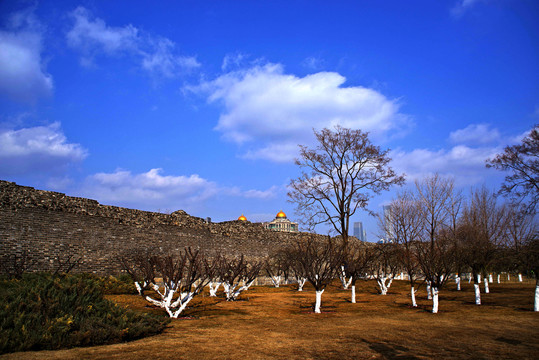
280	215
242	218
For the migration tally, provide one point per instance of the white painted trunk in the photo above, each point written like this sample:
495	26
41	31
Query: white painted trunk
490	278
276	280
477	294
412	293
457	280
382	286
520	277
434	300
498	278
345	282
214	286
479	278
508	277
384	283
429	293
139	288
318	303
536	303
353	294
469	278
301	283
487	291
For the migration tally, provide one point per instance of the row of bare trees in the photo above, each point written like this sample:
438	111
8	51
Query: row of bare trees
177	278
442	235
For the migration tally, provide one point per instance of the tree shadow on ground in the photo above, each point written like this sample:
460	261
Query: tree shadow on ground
390	351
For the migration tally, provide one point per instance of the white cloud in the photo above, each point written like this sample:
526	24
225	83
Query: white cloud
233	61
262	194
22	72
313	63
466	164
40	149
270	112
152	190
92	36
475	134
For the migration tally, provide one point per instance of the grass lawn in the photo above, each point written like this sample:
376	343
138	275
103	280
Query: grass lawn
278	323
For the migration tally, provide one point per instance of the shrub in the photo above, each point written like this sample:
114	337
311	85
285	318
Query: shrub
41	311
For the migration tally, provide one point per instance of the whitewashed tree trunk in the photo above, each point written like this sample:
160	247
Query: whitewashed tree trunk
434	300
498	278
477	294
139	288
487	291
490	278
412	294
519	277
353	294
318	303
479	278
301	283
345	282
536	302
429	293
276	280
457	280
508	277
236	293
384	283
214	286
469	278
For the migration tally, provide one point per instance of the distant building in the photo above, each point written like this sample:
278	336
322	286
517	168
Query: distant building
242	218
281	223
359	231
389	225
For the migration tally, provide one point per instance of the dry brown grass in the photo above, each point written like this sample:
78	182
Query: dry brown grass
269	323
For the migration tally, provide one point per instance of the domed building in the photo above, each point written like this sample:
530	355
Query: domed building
242	218
281	223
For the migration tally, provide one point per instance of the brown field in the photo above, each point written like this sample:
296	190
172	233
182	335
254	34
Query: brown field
270	323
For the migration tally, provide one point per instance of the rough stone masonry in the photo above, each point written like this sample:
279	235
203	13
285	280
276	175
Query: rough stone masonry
49	225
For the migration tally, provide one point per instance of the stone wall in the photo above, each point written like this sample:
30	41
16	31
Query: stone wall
49	225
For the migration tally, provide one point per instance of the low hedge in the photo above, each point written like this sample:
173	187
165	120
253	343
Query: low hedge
41	311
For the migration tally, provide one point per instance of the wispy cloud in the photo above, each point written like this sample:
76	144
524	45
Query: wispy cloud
464	159
93	37
269	112
475	134
463	6
37	150
23	76
152	190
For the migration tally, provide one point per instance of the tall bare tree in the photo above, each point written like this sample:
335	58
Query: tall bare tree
407	225
319	263
357	262
522	161
339	177
524	243
435	196
385	265
483	228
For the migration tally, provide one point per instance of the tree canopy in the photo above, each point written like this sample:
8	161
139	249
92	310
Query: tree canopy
339	176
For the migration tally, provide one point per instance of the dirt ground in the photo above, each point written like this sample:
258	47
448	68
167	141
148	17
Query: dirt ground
278	323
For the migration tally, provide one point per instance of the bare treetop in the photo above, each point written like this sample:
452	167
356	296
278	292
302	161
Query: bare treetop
522	160
339	176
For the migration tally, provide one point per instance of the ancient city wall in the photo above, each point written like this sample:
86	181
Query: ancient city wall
49	225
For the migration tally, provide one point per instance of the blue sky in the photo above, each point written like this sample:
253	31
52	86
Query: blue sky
200	106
